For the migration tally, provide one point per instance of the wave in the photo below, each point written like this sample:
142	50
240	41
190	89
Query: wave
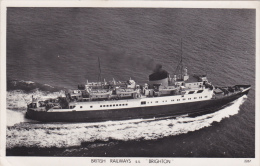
30	86
26	133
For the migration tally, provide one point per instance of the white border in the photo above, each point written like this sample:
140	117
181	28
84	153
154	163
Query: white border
149	4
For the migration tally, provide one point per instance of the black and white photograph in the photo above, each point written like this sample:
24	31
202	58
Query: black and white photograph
119	84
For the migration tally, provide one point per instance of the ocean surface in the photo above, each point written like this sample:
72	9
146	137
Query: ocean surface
52	49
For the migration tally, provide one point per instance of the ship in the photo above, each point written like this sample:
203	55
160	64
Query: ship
162	96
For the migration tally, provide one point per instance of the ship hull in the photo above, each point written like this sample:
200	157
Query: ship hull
192	108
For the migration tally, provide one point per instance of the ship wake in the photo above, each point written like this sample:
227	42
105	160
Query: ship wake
22	132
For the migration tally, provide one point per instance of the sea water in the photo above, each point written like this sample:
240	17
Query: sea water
60	47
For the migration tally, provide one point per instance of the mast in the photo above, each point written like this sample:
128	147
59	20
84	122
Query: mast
99	76
181	58
179	68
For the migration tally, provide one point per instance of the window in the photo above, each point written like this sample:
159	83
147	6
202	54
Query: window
143	102
119	104
91	106
116	104
195	97
100	105
206	96
104	105
123	104
80	106
113	105
107	105
156	102
126	104
183	99
199	91
178	99
191	92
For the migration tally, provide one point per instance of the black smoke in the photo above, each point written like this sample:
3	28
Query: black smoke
158	74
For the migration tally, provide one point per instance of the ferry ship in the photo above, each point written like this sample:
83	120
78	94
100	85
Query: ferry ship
162	96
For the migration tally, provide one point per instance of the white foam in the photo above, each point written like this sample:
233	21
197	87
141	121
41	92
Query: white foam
19	117
27	82
48	85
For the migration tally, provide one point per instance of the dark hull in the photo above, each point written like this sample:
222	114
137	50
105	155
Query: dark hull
192	108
